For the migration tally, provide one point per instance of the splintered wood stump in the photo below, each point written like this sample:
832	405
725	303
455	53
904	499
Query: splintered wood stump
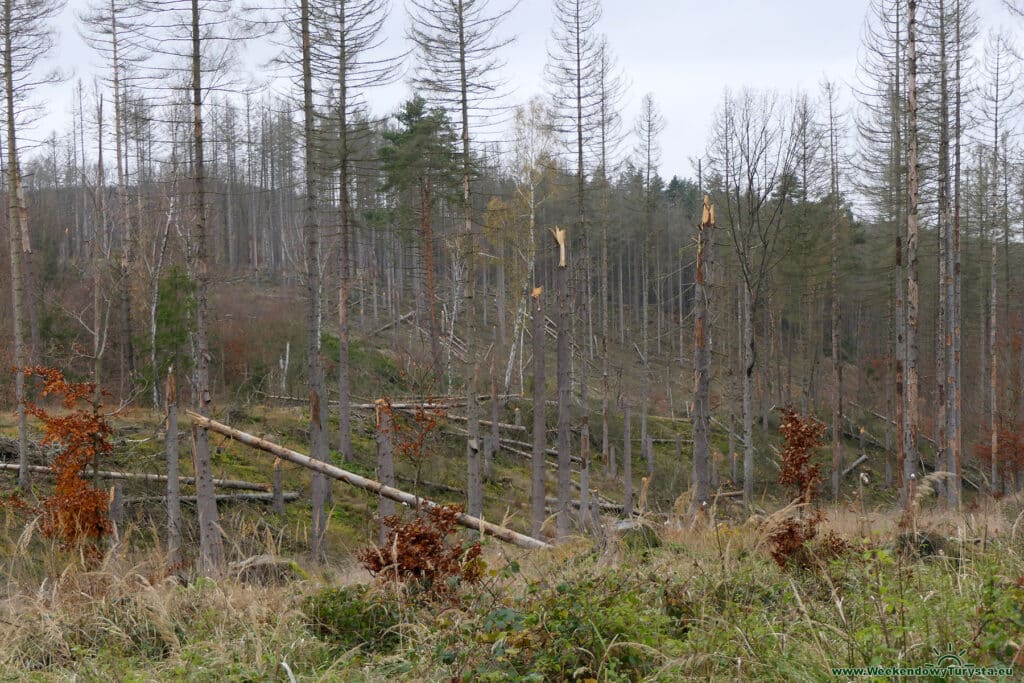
499	532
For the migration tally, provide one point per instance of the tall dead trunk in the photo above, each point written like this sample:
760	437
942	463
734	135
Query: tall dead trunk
911	454
702	361
173	485
993	376
564	490
427	249
211	547
539	459
953	413
837	365
344	247
17	281
311	237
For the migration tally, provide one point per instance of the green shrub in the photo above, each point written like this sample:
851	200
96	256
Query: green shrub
606	627
351	617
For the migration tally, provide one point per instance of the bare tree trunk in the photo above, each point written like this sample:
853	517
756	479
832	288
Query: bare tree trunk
28	262
173	485
495	444
427	247
537	472
702	362
993	374
911	454
17	282
344	248
311	236
837	365
954	413
211	549
748	392
564	489
385	464
627	465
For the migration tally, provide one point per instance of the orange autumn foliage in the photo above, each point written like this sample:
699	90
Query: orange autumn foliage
75	512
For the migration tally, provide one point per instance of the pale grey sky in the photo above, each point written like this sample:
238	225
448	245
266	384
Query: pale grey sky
685	52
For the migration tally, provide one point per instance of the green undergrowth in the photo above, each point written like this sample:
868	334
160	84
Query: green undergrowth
707	604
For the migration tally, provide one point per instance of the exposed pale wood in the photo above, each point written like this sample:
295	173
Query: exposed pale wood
139	476
499	532
388	325
856	463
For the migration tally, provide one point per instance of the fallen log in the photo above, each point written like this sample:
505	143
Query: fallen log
855	464
611	507
391	323
501	533
288	497
237	484
485	423
891	421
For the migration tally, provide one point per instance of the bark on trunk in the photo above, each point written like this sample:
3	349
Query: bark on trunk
17	282
748	397
173	485
408	499
564	489
385	464
211	547
537	472
311	236
627	465
911	455
702	363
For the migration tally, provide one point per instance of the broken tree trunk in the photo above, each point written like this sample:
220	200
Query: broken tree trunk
499	532
702	363
538	459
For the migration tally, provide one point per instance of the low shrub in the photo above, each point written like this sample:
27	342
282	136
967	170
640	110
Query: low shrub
353	617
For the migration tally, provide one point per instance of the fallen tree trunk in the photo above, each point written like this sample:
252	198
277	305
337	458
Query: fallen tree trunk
288	497
488	423
136	476
499	532
611	507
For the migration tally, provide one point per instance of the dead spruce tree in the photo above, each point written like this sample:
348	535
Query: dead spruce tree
193	43
345	53
571	72
457	52
649	126
26	38
702	360
113	29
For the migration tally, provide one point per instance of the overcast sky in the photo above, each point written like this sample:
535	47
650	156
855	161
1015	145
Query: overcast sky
685	52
